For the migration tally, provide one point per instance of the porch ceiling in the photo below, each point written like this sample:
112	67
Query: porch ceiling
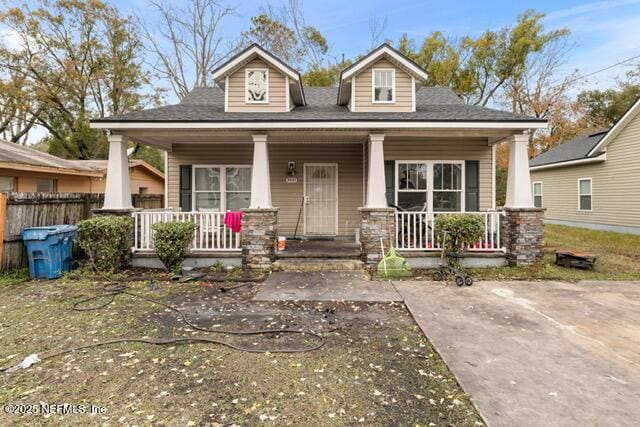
165	138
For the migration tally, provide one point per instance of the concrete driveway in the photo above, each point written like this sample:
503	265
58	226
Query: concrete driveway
538	353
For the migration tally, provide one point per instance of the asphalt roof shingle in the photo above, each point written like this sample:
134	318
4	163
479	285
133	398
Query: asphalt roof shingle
207	105
11	152
574	149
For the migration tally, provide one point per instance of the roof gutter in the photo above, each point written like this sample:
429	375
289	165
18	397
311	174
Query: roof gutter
600	158
322	125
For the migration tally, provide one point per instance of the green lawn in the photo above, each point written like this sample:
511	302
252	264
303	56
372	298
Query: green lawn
618	257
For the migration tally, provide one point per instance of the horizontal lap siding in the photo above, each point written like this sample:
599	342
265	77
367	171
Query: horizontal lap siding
363	90
426	149
202	154
286	197
277	90
615	185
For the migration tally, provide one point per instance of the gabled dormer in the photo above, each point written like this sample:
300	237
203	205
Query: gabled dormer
256	81
383	80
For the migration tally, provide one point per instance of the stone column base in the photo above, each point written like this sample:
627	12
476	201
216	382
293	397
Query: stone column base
522	235
258	238
376	223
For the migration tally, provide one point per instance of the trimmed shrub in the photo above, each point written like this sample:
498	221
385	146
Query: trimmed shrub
462	231
105	239
171	242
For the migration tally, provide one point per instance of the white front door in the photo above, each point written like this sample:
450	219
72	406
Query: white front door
321	199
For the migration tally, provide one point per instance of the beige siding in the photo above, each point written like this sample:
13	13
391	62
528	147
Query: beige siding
202	154
615	185
286	197
363	90
27	181
277	90
447	149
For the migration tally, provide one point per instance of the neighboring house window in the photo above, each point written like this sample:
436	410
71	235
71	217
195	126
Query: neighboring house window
584	194
447	187
384	82
412	186
221	188
537	194
46	185
143	190
257	85
430	185
7	183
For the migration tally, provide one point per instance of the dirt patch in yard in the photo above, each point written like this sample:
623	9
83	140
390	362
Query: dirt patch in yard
376	367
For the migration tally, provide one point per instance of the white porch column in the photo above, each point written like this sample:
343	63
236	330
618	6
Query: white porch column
518	179
260	180
376	187
117	193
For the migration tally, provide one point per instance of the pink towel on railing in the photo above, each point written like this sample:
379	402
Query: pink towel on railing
233	220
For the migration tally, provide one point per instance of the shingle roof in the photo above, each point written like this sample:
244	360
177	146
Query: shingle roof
574	149
15	153
432	104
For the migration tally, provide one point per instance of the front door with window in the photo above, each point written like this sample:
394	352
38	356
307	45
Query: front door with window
321	199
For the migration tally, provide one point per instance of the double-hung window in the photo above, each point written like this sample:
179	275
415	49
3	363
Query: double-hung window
584	194
221	188
447	187
537	194
411	187
436	186
7	183
384	85
257	85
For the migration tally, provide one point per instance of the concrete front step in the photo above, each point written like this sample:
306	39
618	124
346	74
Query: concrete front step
317	264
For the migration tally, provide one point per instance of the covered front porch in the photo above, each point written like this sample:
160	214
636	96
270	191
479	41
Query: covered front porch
357	185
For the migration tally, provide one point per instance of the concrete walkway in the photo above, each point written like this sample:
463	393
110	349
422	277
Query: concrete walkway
325	286
538	353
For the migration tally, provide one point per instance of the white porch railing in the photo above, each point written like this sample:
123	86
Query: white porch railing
211	234
416	231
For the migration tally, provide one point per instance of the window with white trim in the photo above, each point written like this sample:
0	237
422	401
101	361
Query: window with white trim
434	186
537	194
584	194
411	186
257	85
447	187
384	83
221	188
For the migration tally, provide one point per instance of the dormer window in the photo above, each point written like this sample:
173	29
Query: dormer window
384	82
257	86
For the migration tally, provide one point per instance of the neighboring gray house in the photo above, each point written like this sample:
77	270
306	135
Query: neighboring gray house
327	161
593	180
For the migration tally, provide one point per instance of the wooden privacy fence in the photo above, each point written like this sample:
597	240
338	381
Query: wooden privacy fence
21	210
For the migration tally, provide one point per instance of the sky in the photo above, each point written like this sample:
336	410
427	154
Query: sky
603	33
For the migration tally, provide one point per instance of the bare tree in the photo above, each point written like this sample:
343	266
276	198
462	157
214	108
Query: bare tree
377	27
188	42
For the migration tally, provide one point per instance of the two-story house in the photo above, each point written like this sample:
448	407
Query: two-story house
379	156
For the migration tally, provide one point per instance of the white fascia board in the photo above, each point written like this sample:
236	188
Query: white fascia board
419	72
263	55
319	125
617	128
601	158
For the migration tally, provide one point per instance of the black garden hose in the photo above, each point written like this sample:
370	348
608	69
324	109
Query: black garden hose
111	291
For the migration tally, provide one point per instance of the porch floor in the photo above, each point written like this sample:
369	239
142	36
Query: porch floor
337	248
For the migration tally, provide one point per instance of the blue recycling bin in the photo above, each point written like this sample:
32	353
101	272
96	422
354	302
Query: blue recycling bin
50	250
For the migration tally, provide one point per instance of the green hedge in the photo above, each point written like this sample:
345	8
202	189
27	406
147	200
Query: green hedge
171	242
105	239
462	230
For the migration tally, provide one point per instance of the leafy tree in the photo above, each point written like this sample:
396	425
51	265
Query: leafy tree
605	107
284	32
318	75
76	60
